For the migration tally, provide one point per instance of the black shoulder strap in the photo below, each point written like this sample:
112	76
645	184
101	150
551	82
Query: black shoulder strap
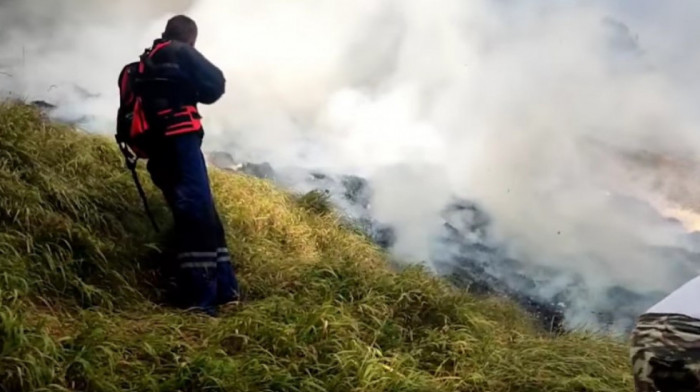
161	71
142	194
131	162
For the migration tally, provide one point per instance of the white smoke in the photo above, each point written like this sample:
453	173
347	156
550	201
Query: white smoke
506	103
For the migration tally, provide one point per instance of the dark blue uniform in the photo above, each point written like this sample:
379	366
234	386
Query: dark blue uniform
204	273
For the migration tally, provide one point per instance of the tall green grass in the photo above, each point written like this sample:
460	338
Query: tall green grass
322	311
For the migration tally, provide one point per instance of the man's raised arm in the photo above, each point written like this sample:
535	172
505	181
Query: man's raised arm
206	78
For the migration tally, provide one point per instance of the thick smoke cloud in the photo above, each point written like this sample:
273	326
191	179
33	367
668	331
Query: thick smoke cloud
70	52
551	115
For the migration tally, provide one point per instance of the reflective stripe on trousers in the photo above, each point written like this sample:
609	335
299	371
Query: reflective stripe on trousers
203	259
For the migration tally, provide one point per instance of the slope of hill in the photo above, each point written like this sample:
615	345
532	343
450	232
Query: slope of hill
323	309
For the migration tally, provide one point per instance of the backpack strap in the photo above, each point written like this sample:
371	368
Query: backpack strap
146	57
139	123
179	119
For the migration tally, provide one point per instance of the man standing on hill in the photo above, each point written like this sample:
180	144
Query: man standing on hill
665	350
160	96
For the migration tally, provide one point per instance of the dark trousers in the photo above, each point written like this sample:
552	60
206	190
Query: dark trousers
203	271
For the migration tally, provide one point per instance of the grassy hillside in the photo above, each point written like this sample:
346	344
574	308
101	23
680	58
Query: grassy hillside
322	311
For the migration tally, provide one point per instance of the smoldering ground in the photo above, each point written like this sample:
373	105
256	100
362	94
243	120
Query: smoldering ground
529	109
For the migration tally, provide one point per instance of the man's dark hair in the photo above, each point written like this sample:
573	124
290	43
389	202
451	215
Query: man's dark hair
181	28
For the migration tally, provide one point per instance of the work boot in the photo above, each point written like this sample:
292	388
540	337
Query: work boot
226	285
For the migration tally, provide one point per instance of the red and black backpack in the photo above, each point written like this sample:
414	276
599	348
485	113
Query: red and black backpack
136	122
132	123
132	128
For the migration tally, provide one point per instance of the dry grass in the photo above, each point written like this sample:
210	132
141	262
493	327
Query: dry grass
323	311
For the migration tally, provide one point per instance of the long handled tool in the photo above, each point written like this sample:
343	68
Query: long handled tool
131	161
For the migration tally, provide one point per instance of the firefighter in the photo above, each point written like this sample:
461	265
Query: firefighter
158	118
